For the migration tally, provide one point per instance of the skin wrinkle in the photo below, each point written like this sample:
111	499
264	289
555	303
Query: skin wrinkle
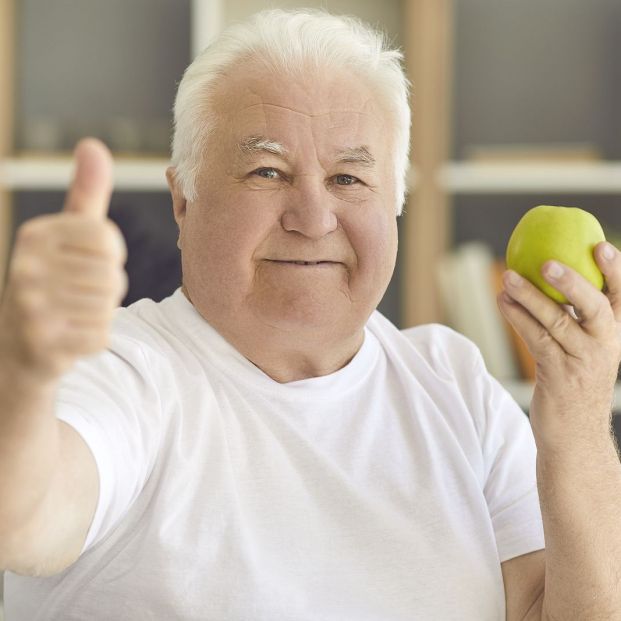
308	114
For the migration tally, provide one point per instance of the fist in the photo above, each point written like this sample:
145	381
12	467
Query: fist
65	276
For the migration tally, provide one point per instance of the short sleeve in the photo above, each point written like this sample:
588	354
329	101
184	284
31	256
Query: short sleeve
504	445
111	400
509	457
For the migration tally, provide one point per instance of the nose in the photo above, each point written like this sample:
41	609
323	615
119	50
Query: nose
309	209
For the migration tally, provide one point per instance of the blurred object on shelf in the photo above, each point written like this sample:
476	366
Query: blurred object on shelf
469	300
157	136
42	134
524	358
124	135
552	152
99	69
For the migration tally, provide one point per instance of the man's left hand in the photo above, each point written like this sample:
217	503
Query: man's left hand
577	348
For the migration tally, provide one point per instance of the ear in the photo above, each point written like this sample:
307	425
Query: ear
178	200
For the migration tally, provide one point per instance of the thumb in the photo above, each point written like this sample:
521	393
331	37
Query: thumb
91	187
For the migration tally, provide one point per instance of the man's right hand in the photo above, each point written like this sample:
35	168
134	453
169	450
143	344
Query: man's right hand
66	276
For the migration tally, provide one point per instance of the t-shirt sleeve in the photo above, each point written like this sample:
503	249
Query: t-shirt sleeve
111	401
503	450
509	461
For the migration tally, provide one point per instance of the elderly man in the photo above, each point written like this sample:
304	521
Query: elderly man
263	444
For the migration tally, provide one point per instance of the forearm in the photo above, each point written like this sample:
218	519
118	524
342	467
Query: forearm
29	444
580	494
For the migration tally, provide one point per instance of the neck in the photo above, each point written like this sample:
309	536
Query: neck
289	355
289	365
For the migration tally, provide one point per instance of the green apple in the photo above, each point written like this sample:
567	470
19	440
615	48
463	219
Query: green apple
565	234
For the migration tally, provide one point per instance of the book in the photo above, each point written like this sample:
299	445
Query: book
525	360
468	295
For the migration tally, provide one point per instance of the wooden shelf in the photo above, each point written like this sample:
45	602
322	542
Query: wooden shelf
521	178
54	173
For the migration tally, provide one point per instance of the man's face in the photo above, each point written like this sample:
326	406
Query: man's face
297	171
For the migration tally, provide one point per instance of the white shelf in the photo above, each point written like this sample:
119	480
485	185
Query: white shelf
522	392
55	173
521	178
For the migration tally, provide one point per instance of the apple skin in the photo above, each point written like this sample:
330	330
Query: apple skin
565	234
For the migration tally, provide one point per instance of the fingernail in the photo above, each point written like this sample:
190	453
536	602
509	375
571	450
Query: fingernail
608	252
554	270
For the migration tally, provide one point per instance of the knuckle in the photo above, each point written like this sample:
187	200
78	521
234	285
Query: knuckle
561	322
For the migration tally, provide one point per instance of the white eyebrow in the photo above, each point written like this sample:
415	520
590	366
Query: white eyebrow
252	145
356	155
255	144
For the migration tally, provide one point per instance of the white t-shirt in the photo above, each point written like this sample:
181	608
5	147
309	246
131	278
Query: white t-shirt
390	490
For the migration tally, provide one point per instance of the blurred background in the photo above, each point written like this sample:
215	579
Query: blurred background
515	104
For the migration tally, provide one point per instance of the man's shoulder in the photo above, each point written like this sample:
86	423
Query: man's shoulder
142	331
436	345
146	319
437	335
424	337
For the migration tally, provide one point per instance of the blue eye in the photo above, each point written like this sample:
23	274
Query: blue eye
346	179
267	173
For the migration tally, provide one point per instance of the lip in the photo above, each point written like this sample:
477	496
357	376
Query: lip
298	263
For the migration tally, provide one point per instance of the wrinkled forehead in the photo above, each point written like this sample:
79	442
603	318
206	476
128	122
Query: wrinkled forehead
332	108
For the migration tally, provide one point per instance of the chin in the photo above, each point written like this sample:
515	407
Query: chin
314	319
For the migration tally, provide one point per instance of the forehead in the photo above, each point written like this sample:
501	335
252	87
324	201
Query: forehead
330	106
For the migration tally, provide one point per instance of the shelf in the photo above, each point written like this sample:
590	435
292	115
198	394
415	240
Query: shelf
522	178
522	392
55	173
148	173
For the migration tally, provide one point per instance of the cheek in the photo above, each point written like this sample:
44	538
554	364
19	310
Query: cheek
223	236
375	243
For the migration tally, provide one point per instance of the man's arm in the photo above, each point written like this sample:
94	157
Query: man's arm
524	579
578	468
48	481
65	279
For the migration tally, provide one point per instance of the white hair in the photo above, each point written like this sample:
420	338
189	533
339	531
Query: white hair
289	41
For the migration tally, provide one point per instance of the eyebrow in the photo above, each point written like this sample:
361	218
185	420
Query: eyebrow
252	145
356	155
257	144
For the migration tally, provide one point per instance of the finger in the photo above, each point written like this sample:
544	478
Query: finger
608	260
550	315
591	305
76	303
538	340
91	188
82	340
84	238
93	274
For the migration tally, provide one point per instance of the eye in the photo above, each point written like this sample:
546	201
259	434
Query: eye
267	173
346	180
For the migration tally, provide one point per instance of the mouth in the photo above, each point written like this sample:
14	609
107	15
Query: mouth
307	263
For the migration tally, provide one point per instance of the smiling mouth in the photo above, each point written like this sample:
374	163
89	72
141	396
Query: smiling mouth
294	262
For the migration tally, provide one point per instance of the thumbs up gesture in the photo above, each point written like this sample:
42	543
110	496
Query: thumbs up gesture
66	275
